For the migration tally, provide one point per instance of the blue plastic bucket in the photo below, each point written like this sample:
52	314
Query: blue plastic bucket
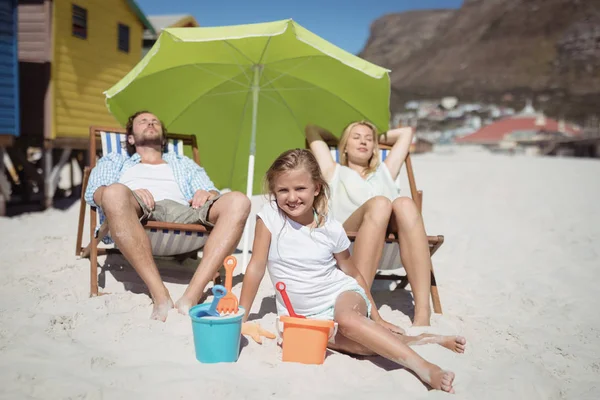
216	339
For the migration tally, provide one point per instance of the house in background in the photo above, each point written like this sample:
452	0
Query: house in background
9	90
161	22
529	123
70	52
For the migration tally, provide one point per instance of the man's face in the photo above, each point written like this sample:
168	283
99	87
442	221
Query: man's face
146	130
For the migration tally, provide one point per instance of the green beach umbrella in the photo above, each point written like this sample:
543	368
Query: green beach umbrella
247	92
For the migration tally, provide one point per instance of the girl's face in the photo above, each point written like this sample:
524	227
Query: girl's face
295	193
360	144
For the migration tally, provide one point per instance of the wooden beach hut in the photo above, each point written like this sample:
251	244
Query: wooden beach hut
69	53
9	90
161	22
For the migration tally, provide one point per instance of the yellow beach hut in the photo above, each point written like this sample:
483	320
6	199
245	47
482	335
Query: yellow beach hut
161	22
69	53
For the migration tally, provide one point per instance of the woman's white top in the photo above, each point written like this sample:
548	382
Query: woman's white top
302	258
349	190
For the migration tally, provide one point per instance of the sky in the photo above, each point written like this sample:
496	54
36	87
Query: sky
343	23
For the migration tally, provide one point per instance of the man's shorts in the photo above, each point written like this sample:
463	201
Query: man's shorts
177	213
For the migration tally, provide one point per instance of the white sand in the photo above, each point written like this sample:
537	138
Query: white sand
518	276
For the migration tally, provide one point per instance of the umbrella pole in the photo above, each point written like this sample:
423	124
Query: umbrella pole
250	181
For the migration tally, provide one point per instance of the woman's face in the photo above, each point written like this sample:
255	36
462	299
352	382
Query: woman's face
360	145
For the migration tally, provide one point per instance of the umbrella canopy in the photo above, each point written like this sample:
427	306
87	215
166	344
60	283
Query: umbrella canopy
247	92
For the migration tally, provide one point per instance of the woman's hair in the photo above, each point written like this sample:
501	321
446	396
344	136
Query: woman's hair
300	159
129	129
374	160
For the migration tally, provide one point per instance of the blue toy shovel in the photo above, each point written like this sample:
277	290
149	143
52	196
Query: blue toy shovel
218	292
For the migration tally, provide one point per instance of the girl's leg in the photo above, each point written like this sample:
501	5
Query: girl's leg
360	335
370	221
414	252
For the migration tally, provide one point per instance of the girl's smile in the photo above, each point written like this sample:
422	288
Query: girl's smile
295	194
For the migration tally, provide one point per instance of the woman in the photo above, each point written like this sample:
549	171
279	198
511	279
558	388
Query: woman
365	198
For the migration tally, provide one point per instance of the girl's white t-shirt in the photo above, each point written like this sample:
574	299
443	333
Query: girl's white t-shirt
350	191
302	258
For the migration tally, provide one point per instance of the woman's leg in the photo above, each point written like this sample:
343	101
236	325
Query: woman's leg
370	221
414	252
359	335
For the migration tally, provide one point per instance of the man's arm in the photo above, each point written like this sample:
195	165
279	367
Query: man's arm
106	172
199	179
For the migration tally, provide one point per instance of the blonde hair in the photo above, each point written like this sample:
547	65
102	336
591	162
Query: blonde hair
295	159
374	160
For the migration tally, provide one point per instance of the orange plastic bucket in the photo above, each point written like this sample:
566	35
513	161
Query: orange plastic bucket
305	340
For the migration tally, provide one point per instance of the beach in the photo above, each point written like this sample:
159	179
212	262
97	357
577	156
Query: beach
518	276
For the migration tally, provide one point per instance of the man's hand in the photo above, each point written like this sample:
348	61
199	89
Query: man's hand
200	197
255	332
146	197
395	329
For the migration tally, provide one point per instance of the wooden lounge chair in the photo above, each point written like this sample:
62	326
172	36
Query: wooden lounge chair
391	252
178	240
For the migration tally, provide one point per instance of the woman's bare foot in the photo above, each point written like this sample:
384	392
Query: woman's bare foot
161	310
422	317
454	343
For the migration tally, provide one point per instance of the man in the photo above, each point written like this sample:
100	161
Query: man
151	184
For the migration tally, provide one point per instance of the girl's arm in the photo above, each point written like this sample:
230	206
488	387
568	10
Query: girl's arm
400	139
315	135
252	278
347	266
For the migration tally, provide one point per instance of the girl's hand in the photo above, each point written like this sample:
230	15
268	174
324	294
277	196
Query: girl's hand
255	332
393	328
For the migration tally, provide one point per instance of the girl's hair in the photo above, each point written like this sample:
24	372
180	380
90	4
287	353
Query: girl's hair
374	160
300	159
129	129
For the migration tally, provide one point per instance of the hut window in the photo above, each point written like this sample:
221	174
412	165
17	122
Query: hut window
123	38
79	22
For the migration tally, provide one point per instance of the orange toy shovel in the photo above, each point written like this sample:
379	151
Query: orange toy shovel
229	303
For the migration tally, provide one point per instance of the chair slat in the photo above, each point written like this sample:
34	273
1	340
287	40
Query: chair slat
383	153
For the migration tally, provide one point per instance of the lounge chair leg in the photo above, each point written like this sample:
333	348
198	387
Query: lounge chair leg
93	258
82	205
435	296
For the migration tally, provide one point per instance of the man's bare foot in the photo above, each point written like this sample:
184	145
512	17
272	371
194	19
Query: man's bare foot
454	343
422	317
436	377
161	310
184	304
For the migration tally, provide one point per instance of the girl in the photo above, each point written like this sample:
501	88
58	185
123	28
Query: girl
365	199
308	251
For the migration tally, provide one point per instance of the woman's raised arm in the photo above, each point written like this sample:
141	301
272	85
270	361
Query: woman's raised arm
316	136
400	139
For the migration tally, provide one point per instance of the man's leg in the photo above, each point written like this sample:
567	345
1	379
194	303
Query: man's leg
228	214
123	213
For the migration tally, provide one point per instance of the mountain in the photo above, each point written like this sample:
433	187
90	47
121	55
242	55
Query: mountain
495	50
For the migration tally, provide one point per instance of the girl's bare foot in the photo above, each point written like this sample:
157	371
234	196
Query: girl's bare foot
161	310
454	343
436	377
442	380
